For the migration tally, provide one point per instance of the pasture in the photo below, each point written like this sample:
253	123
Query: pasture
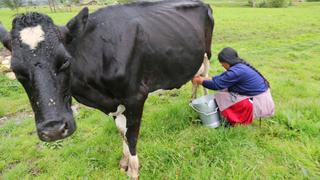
283	43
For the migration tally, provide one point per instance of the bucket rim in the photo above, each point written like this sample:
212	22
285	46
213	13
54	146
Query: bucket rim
202	97
207	114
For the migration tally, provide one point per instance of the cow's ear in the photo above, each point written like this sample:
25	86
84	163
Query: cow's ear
5	38
77	24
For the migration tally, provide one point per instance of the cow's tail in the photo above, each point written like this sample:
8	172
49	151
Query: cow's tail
209	26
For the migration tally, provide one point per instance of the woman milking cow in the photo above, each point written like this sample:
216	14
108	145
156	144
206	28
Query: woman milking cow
243	92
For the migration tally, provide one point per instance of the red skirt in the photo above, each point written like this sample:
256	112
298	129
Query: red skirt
239	113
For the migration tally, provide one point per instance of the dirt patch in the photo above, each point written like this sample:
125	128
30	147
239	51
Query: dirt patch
21	116
5	63
4	53
16	117
9	166
34	170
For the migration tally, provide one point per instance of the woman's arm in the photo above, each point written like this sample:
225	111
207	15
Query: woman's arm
222	81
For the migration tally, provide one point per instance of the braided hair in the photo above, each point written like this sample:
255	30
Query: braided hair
230	56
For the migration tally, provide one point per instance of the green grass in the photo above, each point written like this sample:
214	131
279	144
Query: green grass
12	97
284	44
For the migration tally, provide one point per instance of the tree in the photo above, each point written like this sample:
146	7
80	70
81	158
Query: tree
12	4
77	2
253	3
30	3
52	5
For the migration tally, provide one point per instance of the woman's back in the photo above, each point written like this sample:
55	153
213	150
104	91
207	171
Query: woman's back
250	82
239	78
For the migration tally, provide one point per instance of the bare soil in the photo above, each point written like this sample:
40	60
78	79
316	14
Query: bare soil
17	117
4	53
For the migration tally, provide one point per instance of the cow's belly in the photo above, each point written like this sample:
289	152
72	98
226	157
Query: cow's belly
172	55
172	67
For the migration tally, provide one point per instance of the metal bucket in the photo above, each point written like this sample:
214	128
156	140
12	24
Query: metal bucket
207	110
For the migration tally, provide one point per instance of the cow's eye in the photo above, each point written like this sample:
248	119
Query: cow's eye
64	66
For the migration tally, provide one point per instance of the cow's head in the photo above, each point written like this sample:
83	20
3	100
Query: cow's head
41	64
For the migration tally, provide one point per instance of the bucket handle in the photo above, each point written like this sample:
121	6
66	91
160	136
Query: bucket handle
207	114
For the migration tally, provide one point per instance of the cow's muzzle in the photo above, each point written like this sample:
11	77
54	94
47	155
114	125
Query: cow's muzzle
53	130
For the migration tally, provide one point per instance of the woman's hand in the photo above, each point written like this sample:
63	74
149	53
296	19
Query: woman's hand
199	79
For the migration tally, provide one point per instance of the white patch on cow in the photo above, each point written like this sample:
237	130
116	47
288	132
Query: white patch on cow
125	158
65	133
121	123
133	169
51	102
32	36
121	120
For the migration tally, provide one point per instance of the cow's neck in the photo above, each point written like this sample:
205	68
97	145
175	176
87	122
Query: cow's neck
88	94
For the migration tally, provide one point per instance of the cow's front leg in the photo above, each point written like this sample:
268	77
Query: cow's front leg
133	114
132	138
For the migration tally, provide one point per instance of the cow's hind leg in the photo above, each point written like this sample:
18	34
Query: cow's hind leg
124	162
205	91
121	123
194	91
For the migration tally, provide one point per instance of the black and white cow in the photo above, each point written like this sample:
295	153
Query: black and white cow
109	60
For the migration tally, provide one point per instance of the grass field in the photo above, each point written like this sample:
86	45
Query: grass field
284	44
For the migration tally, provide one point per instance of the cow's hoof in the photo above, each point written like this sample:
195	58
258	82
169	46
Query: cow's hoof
123	164
123	169
134	178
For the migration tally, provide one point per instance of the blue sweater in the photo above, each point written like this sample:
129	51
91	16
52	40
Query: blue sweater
240	79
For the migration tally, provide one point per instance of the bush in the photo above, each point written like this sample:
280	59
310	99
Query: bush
270	3
278	3
12	4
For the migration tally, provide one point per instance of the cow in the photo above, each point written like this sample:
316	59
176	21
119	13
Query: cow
109	60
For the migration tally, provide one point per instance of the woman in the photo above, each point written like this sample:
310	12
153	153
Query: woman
243	93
